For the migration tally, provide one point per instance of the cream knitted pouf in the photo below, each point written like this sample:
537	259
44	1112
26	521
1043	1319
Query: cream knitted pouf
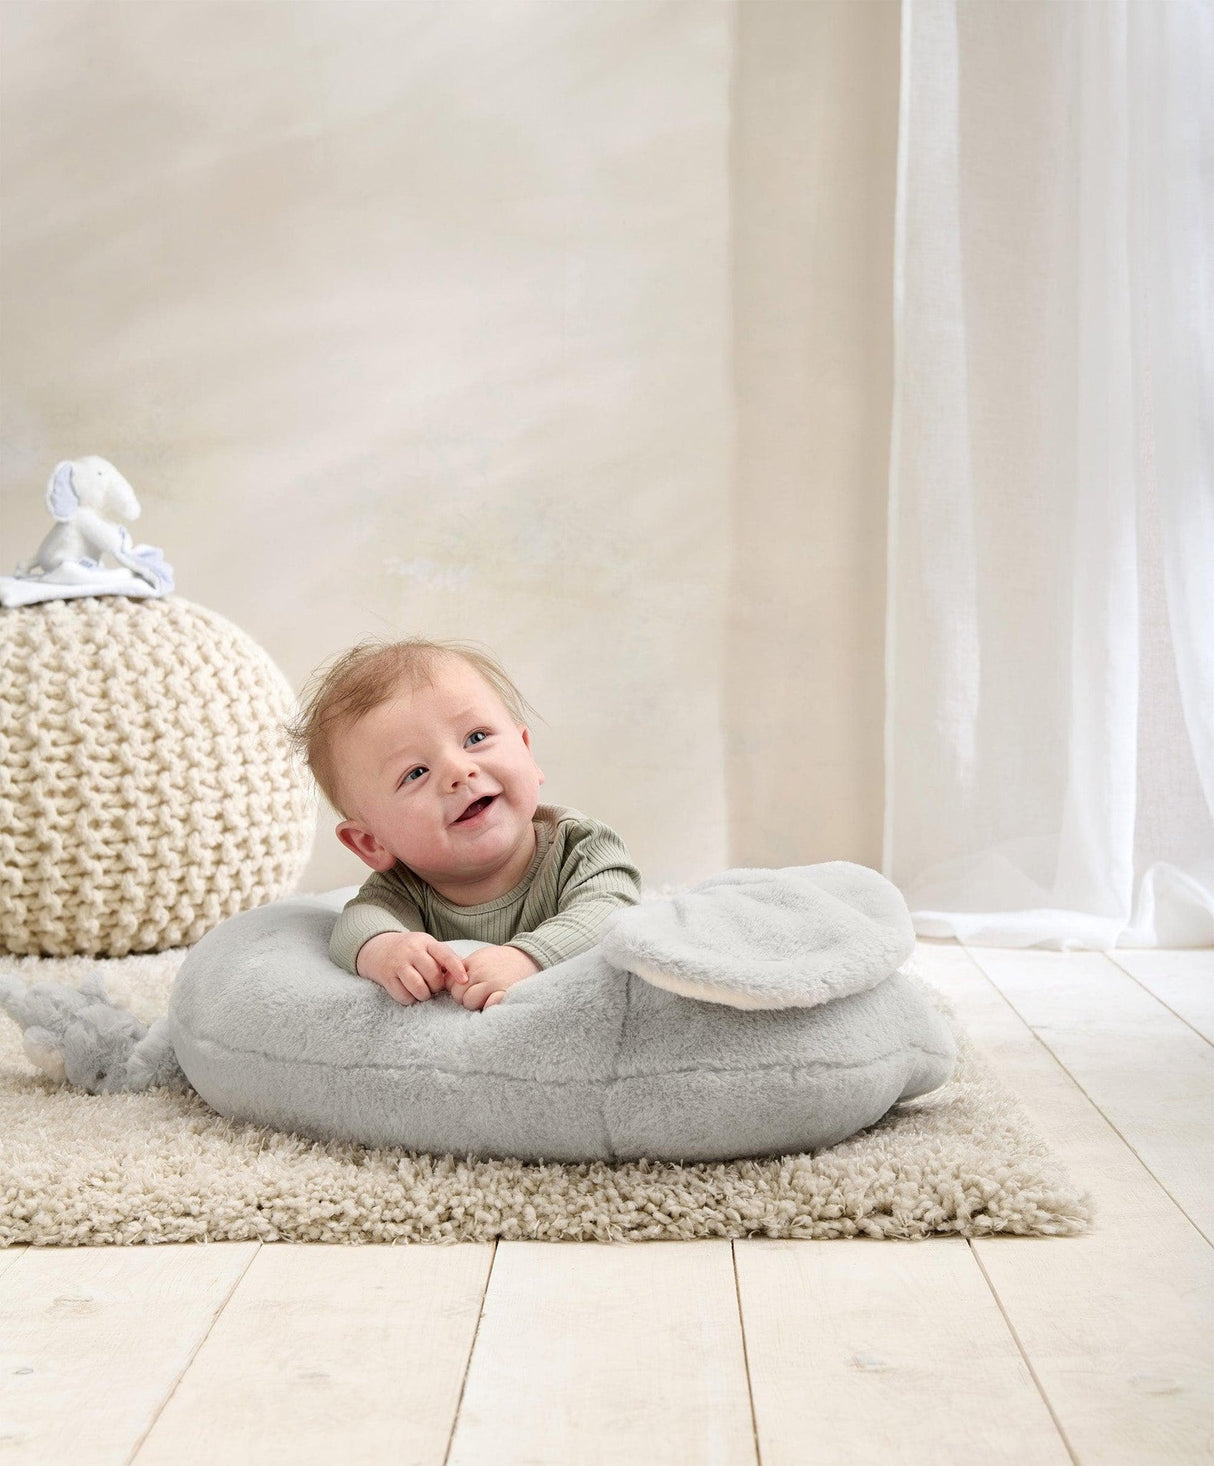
146	791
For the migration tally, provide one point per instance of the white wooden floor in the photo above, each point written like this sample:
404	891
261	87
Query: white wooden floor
1094	1349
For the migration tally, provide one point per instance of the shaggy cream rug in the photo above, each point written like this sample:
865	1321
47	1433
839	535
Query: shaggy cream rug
89	1170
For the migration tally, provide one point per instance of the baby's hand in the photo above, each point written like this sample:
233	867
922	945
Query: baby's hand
409	966
491	970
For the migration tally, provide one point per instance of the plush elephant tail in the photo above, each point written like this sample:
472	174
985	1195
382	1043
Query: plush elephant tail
153	1061
79	1037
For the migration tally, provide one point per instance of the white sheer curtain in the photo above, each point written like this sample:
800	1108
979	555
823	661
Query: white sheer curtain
1050	626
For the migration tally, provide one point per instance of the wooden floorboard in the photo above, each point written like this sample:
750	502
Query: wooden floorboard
1114	1324
93	1341
863	1350
1150	1074
330	1353
8	1256
608	1355
1182	981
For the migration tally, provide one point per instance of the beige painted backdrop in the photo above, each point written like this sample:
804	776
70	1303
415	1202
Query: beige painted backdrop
559	326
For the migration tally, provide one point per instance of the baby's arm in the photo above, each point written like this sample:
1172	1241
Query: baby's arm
381	935
599	877
375	909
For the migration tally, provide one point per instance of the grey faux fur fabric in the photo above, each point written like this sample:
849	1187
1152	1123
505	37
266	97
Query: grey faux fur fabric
587	1060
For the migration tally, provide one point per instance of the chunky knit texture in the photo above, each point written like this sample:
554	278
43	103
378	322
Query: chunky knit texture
147	791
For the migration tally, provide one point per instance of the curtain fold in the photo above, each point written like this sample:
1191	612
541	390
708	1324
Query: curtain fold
1049	739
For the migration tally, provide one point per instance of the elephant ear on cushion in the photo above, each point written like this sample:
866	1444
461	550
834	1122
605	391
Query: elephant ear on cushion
753	938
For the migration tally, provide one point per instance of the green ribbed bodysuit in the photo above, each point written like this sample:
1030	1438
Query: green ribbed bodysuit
580	873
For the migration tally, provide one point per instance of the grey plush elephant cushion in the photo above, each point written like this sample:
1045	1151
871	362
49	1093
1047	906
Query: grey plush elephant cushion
588	1060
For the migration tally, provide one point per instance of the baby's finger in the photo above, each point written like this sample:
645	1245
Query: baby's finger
474	996
396	990
494	998
432	973
452	963
414	982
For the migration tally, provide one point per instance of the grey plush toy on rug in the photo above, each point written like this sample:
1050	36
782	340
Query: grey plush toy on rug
762	1012
80	1037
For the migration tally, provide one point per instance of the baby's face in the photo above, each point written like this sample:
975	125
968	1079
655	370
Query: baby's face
413	767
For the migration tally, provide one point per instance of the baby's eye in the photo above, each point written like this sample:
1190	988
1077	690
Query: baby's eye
480	733
409	776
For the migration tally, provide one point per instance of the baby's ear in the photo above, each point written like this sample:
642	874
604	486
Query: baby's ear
526	732
365	846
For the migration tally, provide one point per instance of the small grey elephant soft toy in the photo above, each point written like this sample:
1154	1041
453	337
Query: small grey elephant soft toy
86	497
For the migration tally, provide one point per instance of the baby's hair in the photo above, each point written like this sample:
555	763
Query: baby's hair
349	685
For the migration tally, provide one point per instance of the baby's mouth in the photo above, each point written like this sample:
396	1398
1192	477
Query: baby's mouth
475	808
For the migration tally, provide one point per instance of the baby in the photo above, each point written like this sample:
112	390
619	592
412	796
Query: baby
421	747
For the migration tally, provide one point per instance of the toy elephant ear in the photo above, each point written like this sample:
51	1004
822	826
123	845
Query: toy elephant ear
61	497
789	938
